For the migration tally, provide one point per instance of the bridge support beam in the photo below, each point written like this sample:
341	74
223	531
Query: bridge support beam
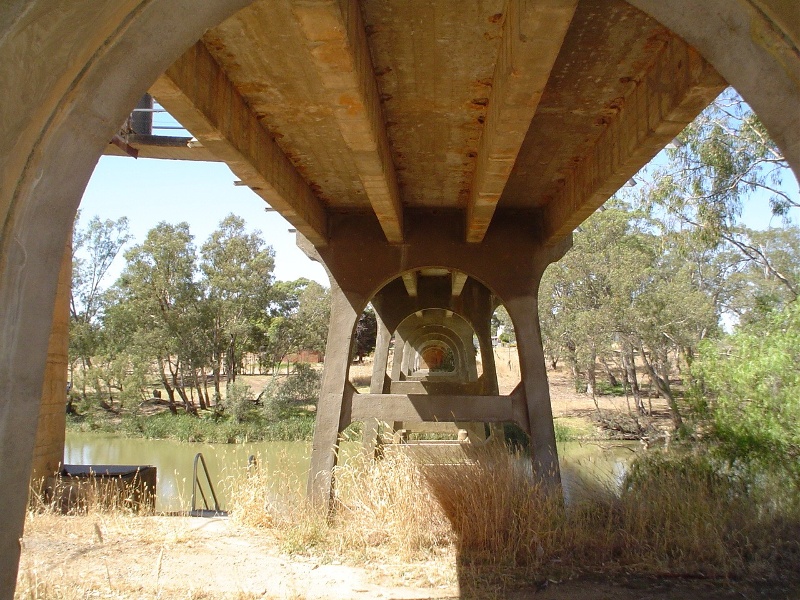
506	268
378	383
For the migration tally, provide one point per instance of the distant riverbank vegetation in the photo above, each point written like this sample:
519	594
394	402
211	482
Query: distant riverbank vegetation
181	326
283	410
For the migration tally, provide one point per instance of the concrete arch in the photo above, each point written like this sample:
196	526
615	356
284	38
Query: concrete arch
755	46
423	338
59	113
456	327
416	338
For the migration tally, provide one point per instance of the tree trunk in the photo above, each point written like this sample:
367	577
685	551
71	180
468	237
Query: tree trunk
687	353
201	399
167	386
217	392
573	360
664	390
629	366
591	374
612	380
230	360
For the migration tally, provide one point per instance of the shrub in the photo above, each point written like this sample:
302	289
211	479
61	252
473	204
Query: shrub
302	387
748	392
239	401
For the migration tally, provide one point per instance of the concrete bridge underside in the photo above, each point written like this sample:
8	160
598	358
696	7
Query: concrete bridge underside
397	136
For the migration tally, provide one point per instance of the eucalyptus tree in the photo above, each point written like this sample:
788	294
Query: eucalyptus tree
585	298
298	320
237	283
94	248
157	305
721	161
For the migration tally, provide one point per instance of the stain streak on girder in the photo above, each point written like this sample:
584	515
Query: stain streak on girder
337	43
532	38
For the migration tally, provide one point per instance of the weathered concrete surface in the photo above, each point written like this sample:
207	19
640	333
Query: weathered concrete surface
532	40
48	450
509	263
755	46
219	117
70	74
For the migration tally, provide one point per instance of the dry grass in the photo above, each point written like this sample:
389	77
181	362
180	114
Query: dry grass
383	506
95	495
675	517
483	522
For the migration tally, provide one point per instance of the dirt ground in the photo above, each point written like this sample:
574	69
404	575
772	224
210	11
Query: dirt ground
174	557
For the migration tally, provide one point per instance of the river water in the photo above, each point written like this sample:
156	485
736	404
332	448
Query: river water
581	463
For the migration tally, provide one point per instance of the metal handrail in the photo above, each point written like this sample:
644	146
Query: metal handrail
196	485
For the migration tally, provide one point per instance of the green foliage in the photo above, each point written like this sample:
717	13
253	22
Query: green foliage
748	391
366	333
298	320
303	386
501	321
179	316
239	401
295	425
282	395
94	248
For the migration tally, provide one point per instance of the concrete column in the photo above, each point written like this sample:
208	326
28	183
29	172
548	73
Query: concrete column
345	310
483	331
378	383
48	452
524	312
409	360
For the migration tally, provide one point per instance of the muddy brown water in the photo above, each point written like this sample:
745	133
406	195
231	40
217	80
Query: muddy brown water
582	463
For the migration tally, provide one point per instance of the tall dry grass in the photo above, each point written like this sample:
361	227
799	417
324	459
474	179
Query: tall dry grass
673	516
95	495
382	507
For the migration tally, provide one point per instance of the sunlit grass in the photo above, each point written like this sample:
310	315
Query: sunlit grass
482	519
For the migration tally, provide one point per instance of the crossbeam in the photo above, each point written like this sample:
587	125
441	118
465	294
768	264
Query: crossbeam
423	408
458	281
198	93
410	281
532	37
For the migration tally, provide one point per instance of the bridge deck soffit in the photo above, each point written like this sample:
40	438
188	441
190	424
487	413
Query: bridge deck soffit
197	92
678	86
538	111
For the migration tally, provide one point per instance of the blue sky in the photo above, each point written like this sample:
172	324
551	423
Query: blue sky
148	191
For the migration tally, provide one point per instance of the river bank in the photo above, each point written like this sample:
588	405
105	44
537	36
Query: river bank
577	416
403	529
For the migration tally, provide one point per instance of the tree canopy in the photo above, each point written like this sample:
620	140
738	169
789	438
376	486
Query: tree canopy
185	315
